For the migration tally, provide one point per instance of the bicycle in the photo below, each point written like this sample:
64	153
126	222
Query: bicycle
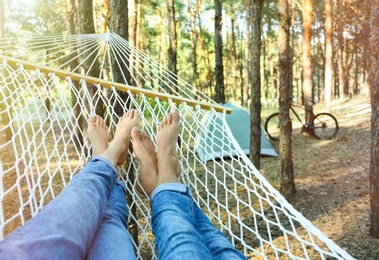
324	127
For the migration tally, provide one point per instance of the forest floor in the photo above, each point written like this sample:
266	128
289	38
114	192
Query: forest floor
332	177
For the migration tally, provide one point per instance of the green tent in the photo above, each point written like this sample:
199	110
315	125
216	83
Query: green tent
214	138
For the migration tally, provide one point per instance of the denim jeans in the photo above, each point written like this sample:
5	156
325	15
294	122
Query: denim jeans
89	220
80	222
182	230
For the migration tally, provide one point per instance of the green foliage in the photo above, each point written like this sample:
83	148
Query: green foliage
37	17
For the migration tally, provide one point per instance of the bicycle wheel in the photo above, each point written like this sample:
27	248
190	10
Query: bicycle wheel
272	127
325	126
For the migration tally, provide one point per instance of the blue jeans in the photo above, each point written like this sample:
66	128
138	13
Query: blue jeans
89	220
182	230
81	222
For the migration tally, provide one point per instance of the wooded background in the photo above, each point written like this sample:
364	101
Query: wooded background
336	33
251	52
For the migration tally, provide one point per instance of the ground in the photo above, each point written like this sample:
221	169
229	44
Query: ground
332	178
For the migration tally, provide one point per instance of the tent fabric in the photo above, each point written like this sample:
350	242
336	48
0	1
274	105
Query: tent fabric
212	142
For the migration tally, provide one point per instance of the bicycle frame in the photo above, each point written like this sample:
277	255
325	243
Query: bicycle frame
292	105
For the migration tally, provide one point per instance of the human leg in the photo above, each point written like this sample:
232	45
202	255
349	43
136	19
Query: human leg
220	247
112	239
172	207
65	227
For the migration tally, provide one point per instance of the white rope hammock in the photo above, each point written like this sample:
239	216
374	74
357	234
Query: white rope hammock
42	152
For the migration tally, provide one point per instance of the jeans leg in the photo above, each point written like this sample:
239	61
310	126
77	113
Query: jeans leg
220	247
64	229
112	239
174	224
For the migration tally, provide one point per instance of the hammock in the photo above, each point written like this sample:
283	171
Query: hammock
50	86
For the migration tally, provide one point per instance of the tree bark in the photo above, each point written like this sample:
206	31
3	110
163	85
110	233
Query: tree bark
287	185
234	54
172	47
193	38
245	86
255	83
219	68
79	140
374	82
340	48
366	55
87	26
328	53
307	58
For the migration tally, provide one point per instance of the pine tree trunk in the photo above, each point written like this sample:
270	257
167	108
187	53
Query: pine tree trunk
245	87
234	54
340	48
219	68
328	53
132	36
374	82
287	185
255	83
87	26
77	113
307	58
193	38
366	31
172	47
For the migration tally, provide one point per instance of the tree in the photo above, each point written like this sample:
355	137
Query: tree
374	82
70	14
219	68
86	25
307	57
172	46
287	185
328	53
248	42
340	49
255	83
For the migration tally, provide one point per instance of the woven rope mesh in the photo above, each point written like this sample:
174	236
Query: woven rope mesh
43	145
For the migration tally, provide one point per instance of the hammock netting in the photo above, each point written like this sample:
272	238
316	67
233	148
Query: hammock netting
51	85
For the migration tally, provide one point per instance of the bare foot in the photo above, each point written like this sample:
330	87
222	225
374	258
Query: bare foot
97	134
124	127
145	151
118	148
167	137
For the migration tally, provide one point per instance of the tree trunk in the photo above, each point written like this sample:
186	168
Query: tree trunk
219	68
119	23
366	55
307	58
245	87
374	82
346	69
234	54
340	48
328	53
172	47
255	83
132	37
193	38
265	74
287	185
87	26
79	140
